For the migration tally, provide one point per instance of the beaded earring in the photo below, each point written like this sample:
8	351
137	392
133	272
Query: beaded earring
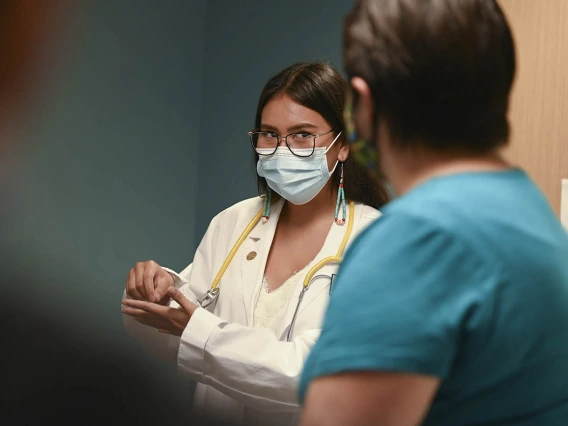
267	202
340	200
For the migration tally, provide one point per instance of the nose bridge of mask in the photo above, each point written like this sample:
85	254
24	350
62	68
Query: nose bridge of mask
285	161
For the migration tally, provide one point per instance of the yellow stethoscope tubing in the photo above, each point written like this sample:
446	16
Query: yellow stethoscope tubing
339	255
235	248
212	292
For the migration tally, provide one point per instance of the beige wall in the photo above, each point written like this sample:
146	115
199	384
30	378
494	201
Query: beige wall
539	110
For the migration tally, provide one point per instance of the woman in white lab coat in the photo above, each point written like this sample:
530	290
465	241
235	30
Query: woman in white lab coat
245	339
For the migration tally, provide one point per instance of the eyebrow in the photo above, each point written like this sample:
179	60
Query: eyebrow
295	128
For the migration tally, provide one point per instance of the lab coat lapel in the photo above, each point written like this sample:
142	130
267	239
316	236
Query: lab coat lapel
253	257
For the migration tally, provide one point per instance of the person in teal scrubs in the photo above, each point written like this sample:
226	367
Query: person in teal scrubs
452	308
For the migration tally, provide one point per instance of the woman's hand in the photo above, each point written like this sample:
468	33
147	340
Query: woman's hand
148	281
163	318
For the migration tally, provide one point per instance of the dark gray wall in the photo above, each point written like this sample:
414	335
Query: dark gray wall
111	178
245	44
109	174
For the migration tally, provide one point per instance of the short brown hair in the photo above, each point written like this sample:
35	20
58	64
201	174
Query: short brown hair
319	87
440	71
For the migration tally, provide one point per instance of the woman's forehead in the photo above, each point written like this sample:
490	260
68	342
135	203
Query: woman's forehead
283	113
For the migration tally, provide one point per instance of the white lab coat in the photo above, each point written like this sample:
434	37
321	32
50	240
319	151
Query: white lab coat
246	374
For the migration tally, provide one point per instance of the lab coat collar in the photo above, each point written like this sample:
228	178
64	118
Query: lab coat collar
252	269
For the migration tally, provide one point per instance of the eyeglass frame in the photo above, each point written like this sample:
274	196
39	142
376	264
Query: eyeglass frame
278	138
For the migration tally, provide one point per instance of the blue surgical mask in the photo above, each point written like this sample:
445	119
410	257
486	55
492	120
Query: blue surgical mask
296	179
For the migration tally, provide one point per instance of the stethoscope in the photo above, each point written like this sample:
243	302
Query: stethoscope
311	276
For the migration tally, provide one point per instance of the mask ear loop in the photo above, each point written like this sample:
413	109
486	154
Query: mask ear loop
328	148
337	137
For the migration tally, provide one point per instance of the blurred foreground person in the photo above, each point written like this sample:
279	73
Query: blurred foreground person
55	371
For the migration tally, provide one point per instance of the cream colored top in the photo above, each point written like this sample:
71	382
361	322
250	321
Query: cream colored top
271	305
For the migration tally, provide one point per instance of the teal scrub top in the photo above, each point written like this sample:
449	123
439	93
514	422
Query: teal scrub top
464	278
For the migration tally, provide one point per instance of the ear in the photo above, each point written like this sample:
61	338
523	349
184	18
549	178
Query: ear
363	110
343	151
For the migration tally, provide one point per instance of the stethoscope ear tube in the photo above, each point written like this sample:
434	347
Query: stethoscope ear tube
289	334
300	297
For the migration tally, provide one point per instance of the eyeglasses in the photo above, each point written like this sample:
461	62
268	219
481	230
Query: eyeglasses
301	144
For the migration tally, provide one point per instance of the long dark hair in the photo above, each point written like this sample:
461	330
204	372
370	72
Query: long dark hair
319	87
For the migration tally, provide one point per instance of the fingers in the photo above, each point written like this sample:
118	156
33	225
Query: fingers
139	315
185	304
133	312
150	314
131	289
162	281
145	306
139	279
150	270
